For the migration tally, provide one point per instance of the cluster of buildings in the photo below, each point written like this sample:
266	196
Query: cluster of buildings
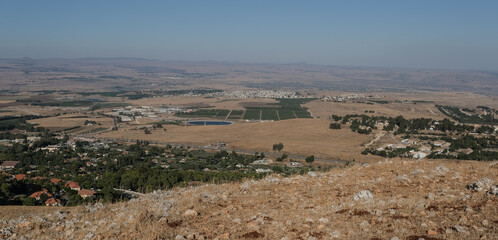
345	97
421	148
261	94
129	113
51	199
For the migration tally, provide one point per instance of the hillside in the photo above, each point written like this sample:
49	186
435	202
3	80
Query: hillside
385	200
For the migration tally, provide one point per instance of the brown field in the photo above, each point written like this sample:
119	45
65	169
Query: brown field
12	212
212	102
68	121
299	136
325	109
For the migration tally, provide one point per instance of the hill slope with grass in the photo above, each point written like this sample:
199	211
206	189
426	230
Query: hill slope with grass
385	200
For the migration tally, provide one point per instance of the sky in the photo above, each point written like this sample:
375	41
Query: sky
445	34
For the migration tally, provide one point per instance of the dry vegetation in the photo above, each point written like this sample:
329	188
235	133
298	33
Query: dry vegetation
385	200
71	121
299	136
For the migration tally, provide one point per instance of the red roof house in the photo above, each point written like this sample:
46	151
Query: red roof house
37	195
84	193
73	185
9	165
20	176
53	202
55	181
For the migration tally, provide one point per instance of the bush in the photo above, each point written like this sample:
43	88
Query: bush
278	147
29	201
335	126
310	159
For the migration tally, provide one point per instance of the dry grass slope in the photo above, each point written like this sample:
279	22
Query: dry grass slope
407	200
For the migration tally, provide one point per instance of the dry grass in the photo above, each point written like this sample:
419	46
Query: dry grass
12	212
325	109
299	136
72	120
407	204
215	102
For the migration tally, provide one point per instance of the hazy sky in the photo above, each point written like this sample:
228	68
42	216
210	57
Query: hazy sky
417	34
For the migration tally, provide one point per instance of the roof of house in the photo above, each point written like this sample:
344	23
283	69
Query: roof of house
20	176
38	178
39	193
72	184
52	201
9	163
55	180
86	192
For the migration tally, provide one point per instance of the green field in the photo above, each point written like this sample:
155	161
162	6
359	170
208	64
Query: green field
11	97
269	114
76	103
252	113
211	113
284	109
236	114
286	114
302	114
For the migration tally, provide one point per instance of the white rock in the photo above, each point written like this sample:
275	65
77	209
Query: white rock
190	213
312	174
481	185
460	229
417	171
364	195
180	237
335	234
441	170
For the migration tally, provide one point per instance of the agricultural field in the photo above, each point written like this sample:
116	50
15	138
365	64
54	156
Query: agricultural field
211	113
236	114
312	136
269	114
253	113
282	110
74	123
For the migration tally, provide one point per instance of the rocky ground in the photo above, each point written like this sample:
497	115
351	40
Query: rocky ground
386	200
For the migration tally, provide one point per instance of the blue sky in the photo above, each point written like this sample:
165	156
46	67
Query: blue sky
409	34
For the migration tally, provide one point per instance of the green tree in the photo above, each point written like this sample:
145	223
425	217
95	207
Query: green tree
29	201
335	126
310	159
278	147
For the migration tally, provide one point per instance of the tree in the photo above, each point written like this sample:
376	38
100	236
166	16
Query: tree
284	156
29	201
278	147
43	197
335	126
310	159
336	118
